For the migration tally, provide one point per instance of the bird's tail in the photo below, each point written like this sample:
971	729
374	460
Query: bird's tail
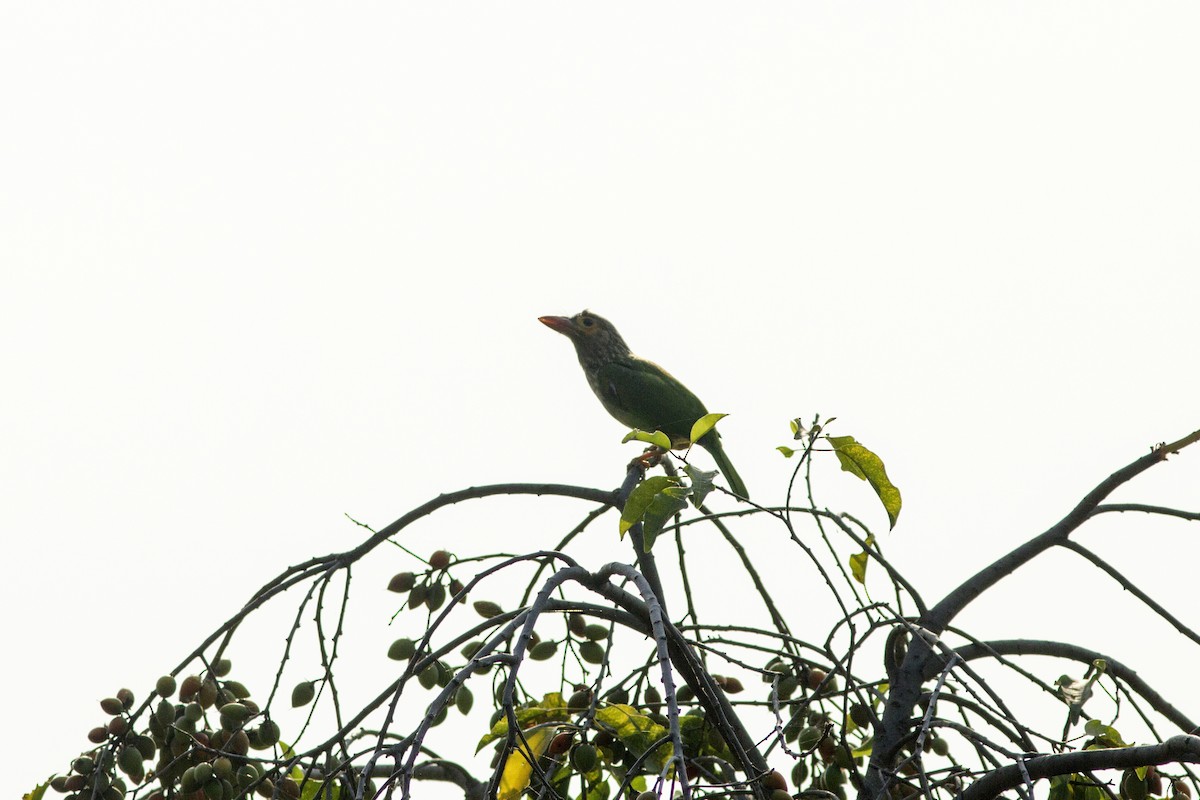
712	444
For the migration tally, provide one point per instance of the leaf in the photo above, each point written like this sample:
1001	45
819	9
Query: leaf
37	792
552	708
634	730
641	498
518	766
656	438
702	483
787	451
858	562
665	505
858	460
704	425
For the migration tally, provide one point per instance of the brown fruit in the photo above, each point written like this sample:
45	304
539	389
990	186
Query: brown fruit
456	587
189	688
560	744
126	698
112	705
440	559
117	726
774	780
730	685
165	686
97	735
815	677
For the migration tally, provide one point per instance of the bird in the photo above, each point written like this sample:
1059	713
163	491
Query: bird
637	392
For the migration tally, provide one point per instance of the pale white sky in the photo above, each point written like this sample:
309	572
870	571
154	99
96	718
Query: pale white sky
268	264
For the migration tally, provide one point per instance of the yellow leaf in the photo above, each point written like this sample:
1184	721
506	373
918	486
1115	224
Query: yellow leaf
518	767
656	438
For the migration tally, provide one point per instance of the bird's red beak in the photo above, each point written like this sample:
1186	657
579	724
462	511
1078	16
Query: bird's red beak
561	324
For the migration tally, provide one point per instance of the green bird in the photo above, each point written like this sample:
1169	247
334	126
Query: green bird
637	392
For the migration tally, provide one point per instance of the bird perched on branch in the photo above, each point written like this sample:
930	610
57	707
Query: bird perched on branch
637	392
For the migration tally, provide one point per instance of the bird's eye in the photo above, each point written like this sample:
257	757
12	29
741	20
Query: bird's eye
588	322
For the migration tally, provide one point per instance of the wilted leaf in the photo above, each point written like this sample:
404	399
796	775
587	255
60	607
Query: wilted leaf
858	460
858	563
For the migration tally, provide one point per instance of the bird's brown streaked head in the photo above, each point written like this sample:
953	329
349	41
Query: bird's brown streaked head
585	323
594	337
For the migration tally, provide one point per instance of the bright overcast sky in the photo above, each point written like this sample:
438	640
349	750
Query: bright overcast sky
267	264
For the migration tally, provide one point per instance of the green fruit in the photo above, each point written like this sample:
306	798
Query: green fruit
235	711
401	650
221	667
579	700
652	698
583	757
268	733
428	677
941	746
469	649
417	595
596	632
237	689
685	694
402	582
207	694
130	761
435	597
577	623
591	652
617	694
543	650
192	712
487	609
861	715
809	738
463	700
165	686
222	767
145	746
303	693
83	765
246	775
834	776
799	773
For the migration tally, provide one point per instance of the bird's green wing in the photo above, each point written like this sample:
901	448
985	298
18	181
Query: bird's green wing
643	395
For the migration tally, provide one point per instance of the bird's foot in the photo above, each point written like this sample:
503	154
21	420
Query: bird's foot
651	458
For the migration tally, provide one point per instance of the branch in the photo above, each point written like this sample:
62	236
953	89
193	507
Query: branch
1175	749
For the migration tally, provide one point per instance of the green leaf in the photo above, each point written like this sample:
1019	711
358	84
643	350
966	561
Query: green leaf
666	504
858	563
37	792
704	425
787	451
552	708
702	483
641	498
858	460
656	438
634	730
